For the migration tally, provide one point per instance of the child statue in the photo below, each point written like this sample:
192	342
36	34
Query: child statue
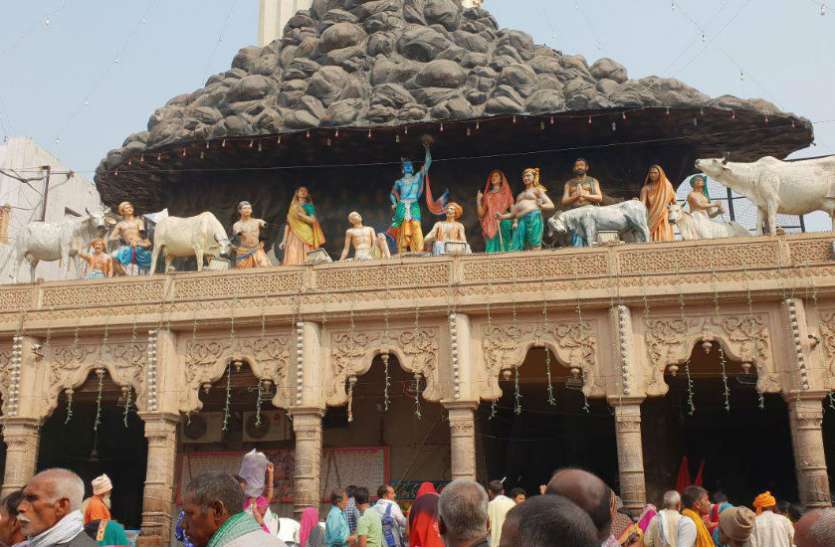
99	264
251	249
497	199
367	244
134	255
449	230
527	212
303	233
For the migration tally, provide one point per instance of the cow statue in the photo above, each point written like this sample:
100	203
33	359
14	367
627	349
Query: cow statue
199	236
699	226
50	241
628	219
775	186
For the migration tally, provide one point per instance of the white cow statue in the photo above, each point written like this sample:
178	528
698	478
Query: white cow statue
775	186
699	226
199	236
50	241
628	219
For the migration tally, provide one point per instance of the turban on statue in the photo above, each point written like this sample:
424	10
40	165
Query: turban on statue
763	501
704	180
457	208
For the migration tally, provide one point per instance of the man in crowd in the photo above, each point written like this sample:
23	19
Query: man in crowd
369	526
735	526
350	509
50	511
816	529
10	534
548	521
337	531
394	522
591	494
770	528
694	532
518	495
97	506
664	529
462	514
212	504
497	510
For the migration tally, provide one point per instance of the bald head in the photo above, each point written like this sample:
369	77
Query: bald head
815	529
589	492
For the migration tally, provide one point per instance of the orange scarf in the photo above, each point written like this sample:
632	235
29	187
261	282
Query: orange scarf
703	538
656	199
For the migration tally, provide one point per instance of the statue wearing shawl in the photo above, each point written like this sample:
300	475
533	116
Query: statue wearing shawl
497	199
657	194
302	234
405	195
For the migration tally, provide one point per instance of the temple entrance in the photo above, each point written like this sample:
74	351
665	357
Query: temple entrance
741	451
415	449
117	449
828	431
527	444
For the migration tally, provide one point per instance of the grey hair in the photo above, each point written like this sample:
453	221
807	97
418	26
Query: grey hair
823	530
463	509
210	488
671	500
243	204
63	484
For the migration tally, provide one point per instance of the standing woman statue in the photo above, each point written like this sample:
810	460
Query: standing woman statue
302	233
133	255
497	199
657	194
527	212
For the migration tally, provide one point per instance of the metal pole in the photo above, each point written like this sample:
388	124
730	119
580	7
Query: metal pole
48	171
802	224
731	204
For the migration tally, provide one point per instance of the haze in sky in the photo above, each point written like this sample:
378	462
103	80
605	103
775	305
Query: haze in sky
80	76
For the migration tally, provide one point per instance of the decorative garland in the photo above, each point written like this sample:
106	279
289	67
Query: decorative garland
352	381
417	396
690	389
517	394
258	401
68	393
726	390
99	390
760	396
552	400
227	407
128	392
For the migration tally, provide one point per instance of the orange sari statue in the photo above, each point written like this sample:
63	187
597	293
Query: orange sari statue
302	233
657	194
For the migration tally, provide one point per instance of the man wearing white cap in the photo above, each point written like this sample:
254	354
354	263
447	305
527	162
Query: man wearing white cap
97	506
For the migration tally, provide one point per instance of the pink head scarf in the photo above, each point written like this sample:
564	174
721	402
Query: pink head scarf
310	519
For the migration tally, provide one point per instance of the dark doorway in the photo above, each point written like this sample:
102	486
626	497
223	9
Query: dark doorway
529	446
115	449
829	439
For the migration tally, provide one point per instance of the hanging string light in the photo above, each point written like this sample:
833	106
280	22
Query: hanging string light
386	356
127	393
726	390
258	401
227	407
352	381
417	396
68	392
550	389
99	390
691	405
517	394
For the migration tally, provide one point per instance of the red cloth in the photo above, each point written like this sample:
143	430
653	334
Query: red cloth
699	478
495	202
423	518
683	480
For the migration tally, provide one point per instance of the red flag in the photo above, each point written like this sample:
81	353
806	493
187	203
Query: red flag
698	481
683	479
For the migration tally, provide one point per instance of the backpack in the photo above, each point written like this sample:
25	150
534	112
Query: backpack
391	530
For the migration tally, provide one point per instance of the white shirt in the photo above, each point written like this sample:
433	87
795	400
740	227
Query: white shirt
772	530
665	530
496	511
396	512
686	532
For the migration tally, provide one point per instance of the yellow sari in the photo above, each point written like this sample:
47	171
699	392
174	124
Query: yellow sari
703	538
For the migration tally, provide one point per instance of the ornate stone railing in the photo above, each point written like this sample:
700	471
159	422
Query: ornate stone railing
597	277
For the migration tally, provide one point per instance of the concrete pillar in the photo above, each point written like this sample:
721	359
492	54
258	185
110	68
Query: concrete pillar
805	417
307	426
630	453
22	438
462	438
158	497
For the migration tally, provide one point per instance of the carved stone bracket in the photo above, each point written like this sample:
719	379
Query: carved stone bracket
744	338
352	353
69	363
5	372
505	346
206	360
827	334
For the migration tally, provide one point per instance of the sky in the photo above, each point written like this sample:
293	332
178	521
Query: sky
78	76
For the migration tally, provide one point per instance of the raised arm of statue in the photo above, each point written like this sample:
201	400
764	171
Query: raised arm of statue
427	162
395	192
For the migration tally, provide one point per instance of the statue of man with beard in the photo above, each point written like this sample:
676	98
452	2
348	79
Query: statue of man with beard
580	191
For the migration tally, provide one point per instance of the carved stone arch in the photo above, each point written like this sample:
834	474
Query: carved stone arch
573	344
206	360
744	338
68	364
352	353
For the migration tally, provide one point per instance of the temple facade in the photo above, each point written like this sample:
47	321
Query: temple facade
402	354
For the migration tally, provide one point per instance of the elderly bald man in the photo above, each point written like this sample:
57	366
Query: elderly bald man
815	529
590	493
50	512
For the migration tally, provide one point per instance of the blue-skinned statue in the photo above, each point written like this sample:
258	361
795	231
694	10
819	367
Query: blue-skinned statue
405	195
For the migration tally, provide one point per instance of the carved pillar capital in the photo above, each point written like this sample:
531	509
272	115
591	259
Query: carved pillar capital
805	419
22	438
462	438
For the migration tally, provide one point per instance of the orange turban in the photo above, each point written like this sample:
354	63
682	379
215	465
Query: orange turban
763	501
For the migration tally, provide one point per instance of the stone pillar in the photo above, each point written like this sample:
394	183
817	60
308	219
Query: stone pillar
158	497
22	438
805	417
462	438
630	453
307	426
